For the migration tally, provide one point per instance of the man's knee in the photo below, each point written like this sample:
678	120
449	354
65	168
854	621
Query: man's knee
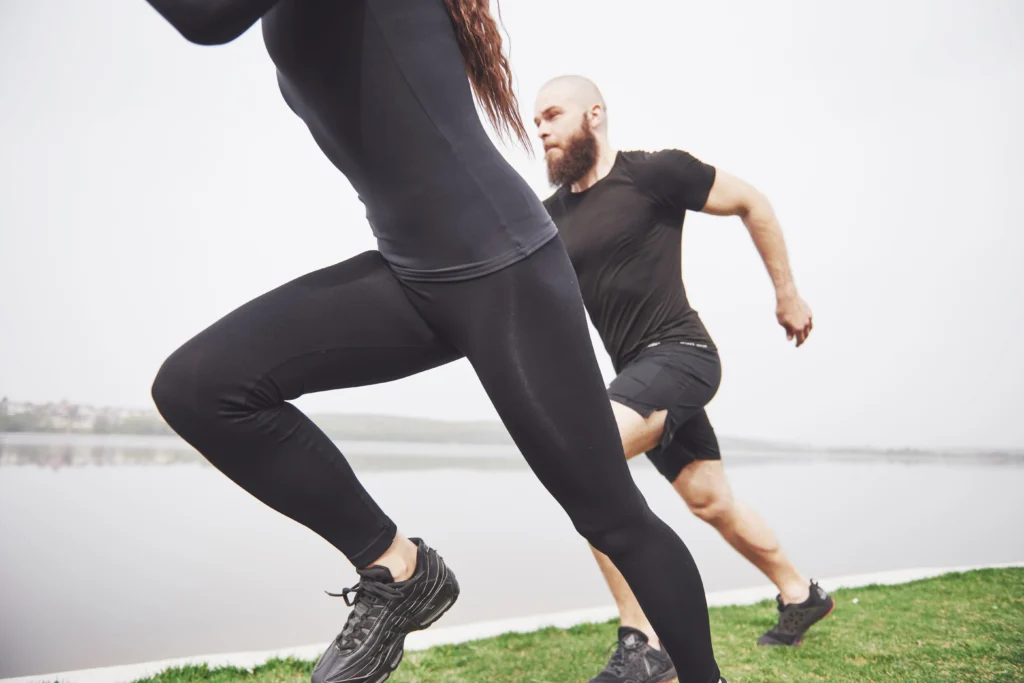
711	502
715	513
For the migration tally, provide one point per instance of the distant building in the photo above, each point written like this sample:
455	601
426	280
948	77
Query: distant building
13	408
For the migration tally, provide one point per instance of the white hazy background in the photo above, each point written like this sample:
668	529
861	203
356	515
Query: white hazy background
150	186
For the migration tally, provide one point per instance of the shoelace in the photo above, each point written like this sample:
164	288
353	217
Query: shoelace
367	594
620	659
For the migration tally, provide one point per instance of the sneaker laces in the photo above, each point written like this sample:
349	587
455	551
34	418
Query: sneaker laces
367	595
621	658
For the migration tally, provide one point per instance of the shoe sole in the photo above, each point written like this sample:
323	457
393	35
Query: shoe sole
673	677
801	640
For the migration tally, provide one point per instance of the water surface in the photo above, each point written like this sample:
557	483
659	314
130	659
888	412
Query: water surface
109	560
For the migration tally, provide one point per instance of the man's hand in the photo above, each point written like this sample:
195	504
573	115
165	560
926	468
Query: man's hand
794	315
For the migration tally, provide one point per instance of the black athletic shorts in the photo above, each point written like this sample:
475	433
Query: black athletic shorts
681	378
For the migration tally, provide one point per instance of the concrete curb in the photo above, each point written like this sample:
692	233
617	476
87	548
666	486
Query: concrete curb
461	634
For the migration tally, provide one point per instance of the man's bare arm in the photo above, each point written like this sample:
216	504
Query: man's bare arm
731	196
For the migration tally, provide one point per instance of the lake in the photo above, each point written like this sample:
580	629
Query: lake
125	549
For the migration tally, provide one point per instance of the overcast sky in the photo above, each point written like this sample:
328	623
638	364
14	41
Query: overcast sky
150	186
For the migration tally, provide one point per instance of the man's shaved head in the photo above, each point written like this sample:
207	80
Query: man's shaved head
579	90
571	122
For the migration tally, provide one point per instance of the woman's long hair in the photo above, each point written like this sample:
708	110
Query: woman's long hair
488	68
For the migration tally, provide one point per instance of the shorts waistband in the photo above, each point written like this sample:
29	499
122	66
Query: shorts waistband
684	343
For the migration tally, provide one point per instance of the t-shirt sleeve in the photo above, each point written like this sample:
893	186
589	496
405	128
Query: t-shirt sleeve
677	180
551	206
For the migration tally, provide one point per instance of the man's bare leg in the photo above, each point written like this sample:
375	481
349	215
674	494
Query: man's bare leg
703	486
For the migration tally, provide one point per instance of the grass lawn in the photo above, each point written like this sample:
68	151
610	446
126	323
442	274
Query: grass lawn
960	627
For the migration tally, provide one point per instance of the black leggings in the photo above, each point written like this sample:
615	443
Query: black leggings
524	331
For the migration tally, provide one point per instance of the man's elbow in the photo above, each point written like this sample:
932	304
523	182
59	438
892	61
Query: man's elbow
755	204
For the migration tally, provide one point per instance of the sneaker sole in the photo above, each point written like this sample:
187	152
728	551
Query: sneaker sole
673	677
823	617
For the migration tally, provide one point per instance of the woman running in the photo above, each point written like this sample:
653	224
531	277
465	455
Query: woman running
468	265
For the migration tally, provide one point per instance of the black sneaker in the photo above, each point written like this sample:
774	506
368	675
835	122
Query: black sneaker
794	620
634	661
370	646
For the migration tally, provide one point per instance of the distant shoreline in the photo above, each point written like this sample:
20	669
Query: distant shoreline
385	452
76	420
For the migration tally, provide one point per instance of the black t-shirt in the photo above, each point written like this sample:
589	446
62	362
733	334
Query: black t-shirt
382	87
624	236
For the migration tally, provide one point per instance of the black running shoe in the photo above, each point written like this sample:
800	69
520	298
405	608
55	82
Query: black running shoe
634	661
794	620
370	646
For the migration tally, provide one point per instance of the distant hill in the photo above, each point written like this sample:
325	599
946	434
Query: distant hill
70	418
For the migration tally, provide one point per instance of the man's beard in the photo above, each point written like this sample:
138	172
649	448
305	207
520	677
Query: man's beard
578	157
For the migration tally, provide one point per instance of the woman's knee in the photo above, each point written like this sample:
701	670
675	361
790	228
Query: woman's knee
616	531
184	389
171	387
